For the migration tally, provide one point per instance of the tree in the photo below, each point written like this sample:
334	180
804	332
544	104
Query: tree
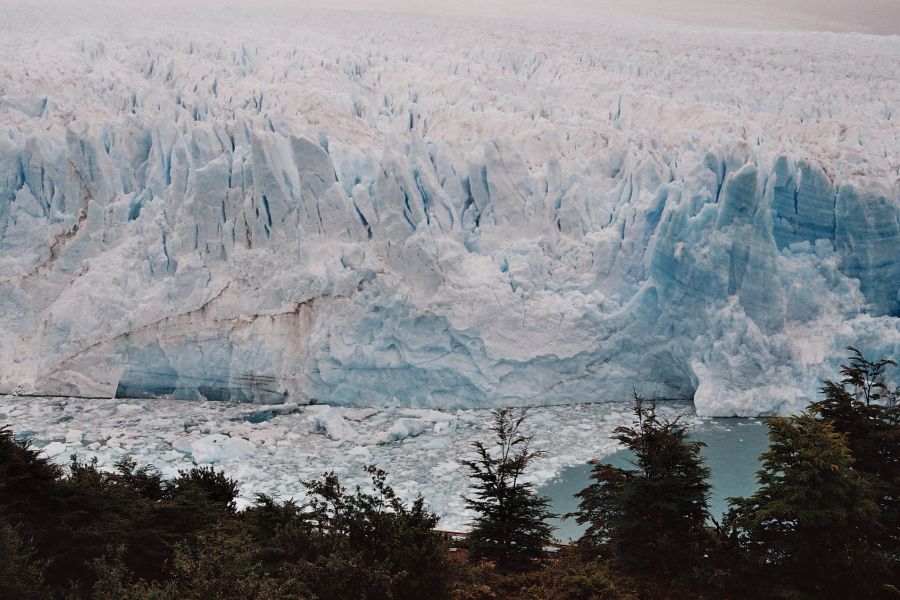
509	527
654	514
865	410
867	378
811	524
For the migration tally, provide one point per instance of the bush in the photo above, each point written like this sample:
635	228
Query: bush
21	571
570	578
390	547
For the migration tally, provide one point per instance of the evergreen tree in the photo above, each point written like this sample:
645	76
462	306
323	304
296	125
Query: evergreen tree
509	527
810	526
654	514
863	408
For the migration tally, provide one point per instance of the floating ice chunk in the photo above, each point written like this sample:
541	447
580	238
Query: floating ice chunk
217	448
445	468
54	449
437	443
74	436
401	429
171	455
156	437
183	443
332	423
445	427
242	503
360	453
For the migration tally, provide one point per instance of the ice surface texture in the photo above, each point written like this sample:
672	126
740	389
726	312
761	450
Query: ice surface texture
443	212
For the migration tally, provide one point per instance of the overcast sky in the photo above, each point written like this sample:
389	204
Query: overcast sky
867	16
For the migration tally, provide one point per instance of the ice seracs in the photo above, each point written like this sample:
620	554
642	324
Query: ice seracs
438	214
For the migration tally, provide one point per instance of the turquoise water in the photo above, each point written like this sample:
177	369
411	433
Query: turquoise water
732	453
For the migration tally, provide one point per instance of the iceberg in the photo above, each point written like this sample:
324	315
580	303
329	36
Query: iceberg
551	214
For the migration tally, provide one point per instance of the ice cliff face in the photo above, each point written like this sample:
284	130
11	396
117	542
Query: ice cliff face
445	212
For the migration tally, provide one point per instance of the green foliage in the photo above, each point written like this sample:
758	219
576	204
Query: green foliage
810	526
570	578
280	550
389	546
21	570
145	481
509	527
135	509
207	485
219	565
863	408
74	515
197	500
866	411
562	576
867	378
24	473
653	514
130	534
288	534
30	493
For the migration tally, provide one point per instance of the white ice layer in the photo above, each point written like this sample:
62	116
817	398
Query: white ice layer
442	212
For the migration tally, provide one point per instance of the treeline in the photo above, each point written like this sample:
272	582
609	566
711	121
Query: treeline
823	523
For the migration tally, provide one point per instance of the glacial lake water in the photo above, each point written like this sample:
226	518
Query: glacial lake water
732	454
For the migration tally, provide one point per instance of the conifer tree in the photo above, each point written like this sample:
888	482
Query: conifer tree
810	525
654	514
510	524
864	408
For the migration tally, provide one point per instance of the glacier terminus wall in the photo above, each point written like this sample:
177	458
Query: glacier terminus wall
443	211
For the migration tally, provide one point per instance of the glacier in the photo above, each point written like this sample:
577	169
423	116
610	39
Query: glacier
441	212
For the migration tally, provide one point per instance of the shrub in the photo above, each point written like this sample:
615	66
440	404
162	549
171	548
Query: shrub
391	547
21	570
